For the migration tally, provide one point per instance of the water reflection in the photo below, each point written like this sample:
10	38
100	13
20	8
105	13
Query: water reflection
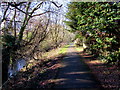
17	66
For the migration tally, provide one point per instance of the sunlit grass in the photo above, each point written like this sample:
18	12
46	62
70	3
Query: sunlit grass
55	52
64	49
52	54
95	62
79	49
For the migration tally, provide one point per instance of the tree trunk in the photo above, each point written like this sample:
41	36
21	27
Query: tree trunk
5	64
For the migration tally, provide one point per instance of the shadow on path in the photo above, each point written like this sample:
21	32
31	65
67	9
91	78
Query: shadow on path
74	73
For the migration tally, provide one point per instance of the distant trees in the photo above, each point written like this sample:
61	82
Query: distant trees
99	23
25	27
28	11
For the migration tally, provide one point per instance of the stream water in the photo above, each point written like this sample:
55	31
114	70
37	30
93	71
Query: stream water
17	66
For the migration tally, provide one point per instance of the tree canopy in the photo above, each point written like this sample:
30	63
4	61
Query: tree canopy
100	22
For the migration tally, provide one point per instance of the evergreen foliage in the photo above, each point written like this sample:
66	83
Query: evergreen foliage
100	23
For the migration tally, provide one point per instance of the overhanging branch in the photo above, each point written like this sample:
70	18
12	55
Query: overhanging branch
41	13
18	8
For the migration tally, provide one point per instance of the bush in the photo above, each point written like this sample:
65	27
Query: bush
8	40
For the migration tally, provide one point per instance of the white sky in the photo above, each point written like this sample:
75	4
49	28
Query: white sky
0	12
63	2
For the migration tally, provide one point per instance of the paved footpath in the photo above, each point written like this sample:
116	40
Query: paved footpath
74	73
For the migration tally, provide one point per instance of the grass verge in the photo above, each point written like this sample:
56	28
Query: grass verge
64	49
79	49
38	74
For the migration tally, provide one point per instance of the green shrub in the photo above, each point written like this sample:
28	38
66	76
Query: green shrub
8	40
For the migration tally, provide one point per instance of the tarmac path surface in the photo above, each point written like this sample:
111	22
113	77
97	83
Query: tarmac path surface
74	73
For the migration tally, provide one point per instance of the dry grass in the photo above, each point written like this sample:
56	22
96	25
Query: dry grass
38	73
52	54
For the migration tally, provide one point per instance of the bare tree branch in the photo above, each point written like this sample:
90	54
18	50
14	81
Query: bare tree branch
56	4
17	4
18	8
41	13
5	14
37	7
